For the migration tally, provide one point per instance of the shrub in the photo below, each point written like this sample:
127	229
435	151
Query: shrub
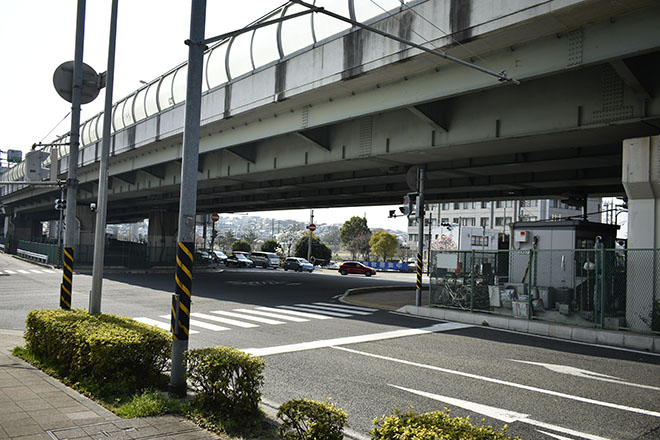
432	426
103	351
227	380
305	419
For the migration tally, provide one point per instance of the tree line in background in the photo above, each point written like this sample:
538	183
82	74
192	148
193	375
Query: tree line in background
352	240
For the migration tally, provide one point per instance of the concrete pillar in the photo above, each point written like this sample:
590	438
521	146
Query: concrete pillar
86	224
162	237
641	180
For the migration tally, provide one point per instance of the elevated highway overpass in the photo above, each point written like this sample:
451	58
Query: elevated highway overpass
313	113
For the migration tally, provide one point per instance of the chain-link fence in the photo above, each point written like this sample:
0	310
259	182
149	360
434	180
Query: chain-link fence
604	288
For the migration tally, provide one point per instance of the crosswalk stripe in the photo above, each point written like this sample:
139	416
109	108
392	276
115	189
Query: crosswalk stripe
248	317
10	272
279	309
323	312
224	320
161	325
49	271
334	309
346	306
35	271
22	271
273	315
202	324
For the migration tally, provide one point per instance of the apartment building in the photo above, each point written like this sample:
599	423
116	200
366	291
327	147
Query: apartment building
496	215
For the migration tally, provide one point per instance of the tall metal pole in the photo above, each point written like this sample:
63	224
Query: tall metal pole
188	198
309	242
102	200
72	176
420	244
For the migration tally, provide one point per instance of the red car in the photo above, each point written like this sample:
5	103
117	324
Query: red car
354	267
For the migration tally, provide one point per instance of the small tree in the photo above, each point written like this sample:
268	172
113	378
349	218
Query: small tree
241	245
225	241
270	246
355	235
288	238
383	244
444	242
319	250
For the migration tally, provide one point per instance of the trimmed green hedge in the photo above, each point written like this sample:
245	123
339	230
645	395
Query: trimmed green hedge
304	419
100	350
437	425
227	381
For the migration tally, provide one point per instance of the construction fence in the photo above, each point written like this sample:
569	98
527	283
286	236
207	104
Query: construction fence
603	288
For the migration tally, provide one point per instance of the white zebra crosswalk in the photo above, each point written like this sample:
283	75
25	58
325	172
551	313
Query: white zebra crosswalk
247	318
25	272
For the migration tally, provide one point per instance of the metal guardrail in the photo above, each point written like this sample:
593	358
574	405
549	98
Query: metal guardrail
32	256
601	288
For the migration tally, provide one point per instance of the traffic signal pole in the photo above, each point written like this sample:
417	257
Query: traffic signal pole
72	176
182	297
420	234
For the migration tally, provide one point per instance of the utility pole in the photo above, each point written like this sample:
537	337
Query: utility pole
420	245
182	297
311	230
102	199
72	177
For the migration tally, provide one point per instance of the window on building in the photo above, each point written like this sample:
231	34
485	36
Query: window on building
485	205
445	206
499	204
469	221
499	221
457	205
412	237
479	240
509	203
466	205
483	222
456	220
442	220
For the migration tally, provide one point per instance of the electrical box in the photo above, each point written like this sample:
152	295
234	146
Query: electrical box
521	236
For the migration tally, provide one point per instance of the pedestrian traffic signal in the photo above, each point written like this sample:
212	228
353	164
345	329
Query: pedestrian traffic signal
60	204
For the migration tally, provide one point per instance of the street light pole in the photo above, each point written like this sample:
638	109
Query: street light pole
182	297
102	199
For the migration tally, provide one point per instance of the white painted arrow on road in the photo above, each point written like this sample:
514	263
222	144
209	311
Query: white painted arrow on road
578	372
504	415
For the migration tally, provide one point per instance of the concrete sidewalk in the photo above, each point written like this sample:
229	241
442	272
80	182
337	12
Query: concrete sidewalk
36	406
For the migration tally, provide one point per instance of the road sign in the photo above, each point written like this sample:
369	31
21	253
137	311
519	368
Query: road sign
312	227
14	156
215	217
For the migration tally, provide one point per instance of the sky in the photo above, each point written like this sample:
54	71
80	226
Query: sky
39	35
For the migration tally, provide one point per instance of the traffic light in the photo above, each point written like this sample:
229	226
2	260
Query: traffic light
408	206
60	204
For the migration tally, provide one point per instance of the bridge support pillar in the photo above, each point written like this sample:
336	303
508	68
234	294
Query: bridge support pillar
162	237
86	224
20	227
641	180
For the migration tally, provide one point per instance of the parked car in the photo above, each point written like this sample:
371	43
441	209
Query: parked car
298	264
239	259
355	267
220	257
265	259
202	257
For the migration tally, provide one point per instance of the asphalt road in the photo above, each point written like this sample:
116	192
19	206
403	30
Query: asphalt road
371	361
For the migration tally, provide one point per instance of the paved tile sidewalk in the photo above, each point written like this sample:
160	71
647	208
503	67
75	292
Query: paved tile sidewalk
36	406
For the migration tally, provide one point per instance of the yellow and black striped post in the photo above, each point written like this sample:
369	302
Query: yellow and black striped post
418	286
67	279
180	321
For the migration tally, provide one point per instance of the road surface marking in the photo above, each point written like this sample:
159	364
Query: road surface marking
334	309
35	271
248	317
22	271
346	306
158	324
49	271
202	324
511	384
224	320
578	372
10	272
273	315
325	343
498	413
323	312
282	309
